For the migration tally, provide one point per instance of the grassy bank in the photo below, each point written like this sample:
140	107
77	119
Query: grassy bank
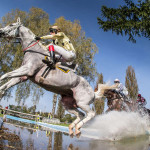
63	124
1	115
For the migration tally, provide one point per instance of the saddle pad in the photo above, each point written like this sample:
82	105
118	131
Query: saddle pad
63	69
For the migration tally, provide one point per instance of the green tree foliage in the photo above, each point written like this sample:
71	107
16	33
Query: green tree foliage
131	19
54	104
37	20
60	109
99	105
32	109
68	118
131	83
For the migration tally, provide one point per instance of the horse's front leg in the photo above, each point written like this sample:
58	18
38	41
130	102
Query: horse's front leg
79	116
108	110
22	71
11	83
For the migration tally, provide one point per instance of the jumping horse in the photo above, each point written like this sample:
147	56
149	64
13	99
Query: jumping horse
76	92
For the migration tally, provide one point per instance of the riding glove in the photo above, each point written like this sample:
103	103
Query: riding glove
37	38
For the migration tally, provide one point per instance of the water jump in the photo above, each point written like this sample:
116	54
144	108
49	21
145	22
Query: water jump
75	91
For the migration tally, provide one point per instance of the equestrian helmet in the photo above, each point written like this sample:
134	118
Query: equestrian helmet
116	81
54	29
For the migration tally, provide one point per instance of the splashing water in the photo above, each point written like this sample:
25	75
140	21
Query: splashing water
118	125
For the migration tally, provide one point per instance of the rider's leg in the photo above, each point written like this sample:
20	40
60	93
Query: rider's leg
52	53
52	56
67	55
125	97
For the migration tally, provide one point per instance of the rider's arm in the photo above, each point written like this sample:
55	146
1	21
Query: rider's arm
55	36
121	87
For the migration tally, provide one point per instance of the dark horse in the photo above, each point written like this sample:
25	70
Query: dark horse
116	102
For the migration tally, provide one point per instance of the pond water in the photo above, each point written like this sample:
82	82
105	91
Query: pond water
128	128
34	138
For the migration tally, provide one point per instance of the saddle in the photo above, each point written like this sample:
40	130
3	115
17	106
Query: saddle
63	66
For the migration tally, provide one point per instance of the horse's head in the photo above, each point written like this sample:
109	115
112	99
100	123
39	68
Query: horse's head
11	30
111	94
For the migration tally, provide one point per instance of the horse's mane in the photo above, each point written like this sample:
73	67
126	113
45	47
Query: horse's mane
104	87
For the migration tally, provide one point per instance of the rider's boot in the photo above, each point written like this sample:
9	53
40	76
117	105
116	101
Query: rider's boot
127	99
50	62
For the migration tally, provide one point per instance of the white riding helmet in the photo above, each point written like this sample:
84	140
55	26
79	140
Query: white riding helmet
116	81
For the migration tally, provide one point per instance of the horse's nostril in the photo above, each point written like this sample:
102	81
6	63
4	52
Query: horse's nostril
1	33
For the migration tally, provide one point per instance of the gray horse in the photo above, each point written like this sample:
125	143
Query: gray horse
75	90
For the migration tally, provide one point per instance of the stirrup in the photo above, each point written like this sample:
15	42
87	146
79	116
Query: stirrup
49	63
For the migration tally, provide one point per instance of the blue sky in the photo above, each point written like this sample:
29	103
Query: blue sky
115	52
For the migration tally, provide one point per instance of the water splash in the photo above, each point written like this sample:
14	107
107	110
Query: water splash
117	125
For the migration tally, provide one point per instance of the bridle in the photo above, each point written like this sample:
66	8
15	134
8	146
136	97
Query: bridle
16	36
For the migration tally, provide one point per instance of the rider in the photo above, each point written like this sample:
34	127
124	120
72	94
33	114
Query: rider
61	45
122	90
141	100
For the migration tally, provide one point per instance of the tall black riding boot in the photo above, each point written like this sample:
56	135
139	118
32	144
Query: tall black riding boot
50	61
52	55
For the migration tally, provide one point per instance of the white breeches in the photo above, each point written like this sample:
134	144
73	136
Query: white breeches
67	55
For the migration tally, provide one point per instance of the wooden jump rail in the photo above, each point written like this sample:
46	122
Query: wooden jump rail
17	112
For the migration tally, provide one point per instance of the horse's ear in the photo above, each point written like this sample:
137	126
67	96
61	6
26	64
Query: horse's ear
18	20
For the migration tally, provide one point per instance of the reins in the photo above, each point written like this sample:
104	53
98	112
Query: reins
32	51
31	46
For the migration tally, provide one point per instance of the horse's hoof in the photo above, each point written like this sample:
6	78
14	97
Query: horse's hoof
71	135
78	134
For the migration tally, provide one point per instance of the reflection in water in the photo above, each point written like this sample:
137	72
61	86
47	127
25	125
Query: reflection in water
71	147
58	141
38	138
49	134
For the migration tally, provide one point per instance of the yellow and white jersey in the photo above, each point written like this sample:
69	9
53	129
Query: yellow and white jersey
60	39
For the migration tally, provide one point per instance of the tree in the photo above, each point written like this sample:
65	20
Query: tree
131	83
54	104
32	109
60	109
131	19
85	48
99	105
